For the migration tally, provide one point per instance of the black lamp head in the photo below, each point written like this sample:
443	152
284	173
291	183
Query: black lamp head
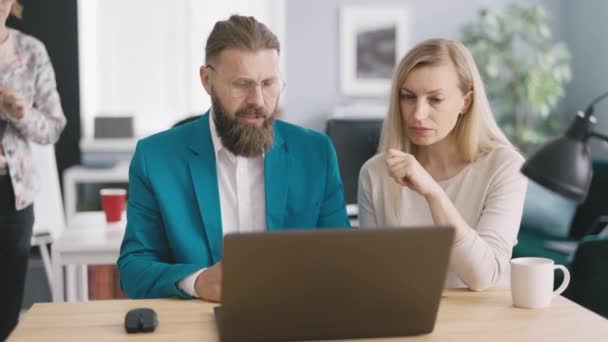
564	164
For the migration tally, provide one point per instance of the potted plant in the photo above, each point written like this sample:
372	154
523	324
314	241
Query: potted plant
524	71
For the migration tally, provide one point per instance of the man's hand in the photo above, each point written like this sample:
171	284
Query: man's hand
208	284
13	103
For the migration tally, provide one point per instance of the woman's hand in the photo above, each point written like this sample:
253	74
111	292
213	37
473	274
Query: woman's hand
13	103
407	171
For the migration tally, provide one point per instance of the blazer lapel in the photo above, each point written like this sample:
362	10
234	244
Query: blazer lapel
276	171
203	171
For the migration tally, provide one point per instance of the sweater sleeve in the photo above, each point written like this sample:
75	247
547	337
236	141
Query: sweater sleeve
482	256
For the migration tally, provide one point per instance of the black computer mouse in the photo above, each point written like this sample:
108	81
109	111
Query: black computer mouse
140	320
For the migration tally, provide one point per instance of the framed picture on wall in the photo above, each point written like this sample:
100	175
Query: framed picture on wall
372	41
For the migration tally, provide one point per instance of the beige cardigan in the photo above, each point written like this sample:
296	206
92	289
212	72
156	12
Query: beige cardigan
489	194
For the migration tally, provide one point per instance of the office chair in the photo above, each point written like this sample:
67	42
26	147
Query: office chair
356	141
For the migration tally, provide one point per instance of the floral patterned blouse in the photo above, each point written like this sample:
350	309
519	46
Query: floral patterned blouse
30	72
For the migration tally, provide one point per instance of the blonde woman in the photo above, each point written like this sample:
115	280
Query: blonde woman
443	160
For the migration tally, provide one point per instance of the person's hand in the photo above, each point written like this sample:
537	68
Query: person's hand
208	284
407	171
13	103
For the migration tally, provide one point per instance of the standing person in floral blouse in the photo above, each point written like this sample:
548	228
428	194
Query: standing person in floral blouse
30	111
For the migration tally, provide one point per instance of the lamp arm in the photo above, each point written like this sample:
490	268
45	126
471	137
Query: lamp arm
598	135
589	110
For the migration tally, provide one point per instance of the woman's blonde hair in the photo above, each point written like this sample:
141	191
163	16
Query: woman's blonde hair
476	130
17	9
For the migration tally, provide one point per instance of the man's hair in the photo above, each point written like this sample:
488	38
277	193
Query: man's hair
241	33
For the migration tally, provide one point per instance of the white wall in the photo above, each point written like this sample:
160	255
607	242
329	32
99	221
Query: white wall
587	37
314	57
141	57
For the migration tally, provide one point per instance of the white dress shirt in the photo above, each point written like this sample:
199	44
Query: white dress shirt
242	195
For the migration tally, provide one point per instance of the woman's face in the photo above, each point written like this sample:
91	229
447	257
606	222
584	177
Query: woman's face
430	102
5	9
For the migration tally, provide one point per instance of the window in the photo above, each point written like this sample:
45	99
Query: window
141	58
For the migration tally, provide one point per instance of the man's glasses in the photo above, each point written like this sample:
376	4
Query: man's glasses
241	88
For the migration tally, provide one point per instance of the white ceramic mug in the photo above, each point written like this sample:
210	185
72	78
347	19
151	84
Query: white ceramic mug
532	282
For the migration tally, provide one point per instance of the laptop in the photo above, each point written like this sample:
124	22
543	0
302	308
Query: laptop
332	284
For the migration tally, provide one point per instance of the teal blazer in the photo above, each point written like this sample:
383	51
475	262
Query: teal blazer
174	224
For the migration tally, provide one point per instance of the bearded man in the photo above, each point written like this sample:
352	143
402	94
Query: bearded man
236	169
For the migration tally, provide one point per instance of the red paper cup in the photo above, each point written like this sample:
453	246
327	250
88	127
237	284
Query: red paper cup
113	203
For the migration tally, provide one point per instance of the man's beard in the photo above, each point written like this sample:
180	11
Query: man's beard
246	140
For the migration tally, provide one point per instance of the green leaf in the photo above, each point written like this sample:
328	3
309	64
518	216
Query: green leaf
523	70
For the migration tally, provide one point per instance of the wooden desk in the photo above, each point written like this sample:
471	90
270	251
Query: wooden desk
463	316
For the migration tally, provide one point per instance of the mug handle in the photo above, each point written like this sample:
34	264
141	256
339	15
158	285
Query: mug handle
565	282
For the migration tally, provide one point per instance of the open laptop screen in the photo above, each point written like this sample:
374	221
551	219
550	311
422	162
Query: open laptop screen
330	284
